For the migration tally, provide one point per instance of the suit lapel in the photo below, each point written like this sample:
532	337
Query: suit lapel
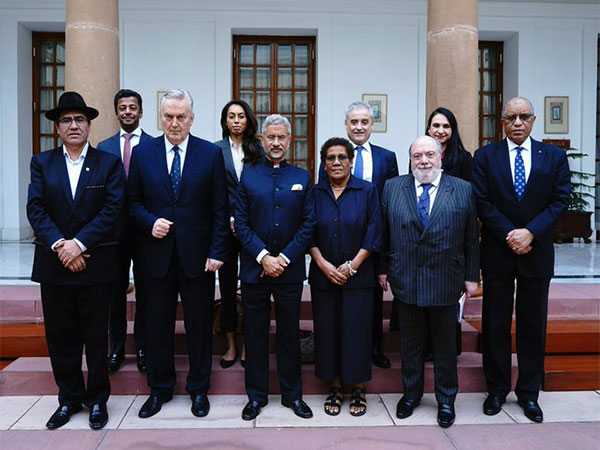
160	163
229	165
410	197
376	164
537	162
89	164
443	197
61	168
503	164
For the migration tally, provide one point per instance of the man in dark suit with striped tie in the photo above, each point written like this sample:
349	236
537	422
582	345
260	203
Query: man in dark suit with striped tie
430	257
522	188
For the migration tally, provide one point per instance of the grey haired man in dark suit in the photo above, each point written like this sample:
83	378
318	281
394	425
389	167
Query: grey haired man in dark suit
430	257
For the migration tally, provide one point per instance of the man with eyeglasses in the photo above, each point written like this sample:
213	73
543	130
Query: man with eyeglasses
178	200
74	202
430	257
275	221
522	187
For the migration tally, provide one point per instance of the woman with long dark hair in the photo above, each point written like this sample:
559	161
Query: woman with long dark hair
442	126
240	147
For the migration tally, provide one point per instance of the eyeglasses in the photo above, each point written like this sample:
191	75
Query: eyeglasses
419	156
341	158
523	117
67	121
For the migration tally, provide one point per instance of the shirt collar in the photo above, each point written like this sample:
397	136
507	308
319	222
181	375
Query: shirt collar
366	146
182	146
526	145
232	144
435	183
82	155
353	183
137	132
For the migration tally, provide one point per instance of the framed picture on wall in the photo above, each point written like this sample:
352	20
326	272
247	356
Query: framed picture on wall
159	95
379	104
556	115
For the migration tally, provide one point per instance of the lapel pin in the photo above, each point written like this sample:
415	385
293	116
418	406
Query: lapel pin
87	169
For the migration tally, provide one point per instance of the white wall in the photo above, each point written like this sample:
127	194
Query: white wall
549	50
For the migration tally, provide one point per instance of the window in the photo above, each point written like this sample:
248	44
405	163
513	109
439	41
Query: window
490	91
275	74
48	85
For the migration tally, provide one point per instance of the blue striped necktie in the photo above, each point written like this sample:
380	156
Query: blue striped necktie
358	165
519	174
423	203
176	171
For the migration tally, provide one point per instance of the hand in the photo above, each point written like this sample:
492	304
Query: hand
519	239
334	275
78	264
273	266
470	288
161	228
343	269
524	251
67	251
382	278
212	265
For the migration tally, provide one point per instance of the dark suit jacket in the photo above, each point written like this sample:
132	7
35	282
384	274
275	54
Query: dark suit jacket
91	217
113	145
199	214
270	214
428	266
384	167
545	198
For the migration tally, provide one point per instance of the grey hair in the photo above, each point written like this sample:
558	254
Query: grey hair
525	99
178	94
437	144
359	105
276	119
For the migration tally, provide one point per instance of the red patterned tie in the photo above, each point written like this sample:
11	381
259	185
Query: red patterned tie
127	152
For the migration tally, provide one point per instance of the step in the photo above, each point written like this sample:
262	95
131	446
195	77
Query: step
29	339
565	336
33	376
572	372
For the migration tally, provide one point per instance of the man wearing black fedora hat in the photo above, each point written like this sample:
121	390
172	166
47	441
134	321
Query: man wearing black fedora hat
74	201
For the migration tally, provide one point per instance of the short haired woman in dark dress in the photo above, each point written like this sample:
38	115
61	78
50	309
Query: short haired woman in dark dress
342	276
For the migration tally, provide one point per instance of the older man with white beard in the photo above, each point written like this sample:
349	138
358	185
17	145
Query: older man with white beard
430	257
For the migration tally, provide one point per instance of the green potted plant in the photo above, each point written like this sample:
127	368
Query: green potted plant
575	222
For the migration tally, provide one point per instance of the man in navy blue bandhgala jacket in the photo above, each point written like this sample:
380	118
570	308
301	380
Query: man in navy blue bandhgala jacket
128	109
274	220
178	200
522	187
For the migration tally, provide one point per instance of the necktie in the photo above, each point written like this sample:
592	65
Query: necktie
176	171
358	165
127	152
423	203
519	174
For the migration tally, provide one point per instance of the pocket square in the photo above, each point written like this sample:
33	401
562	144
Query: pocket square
297	187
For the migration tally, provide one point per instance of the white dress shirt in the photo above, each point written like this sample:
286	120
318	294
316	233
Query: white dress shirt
237	153
171	153
432	190
133	141
525	154
367	156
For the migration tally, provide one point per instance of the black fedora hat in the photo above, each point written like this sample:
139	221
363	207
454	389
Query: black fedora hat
71	101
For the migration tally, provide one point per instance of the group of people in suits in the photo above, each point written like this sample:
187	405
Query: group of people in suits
183	208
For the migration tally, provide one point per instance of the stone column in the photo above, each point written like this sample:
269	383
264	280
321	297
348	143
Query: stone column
92	59
452	66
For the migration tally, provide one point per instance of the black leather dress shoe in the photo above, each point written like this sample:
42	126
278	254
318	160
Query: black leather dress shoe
379	359
406	406
141	360
151	406
446	415
252	409
98	416
200	405
300	408
492	405
227	363
532	410
62	416
114	361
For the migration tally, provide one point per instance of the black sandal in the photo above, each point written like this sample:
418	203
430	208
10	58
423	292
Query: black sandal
334	400
359	400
